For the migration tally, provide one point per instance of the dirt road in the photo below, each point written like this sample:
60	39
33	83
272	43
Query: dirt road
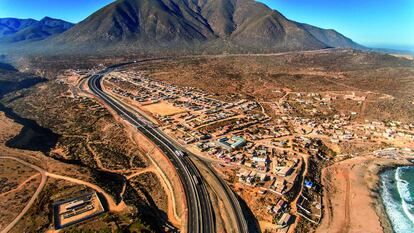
35	195
20	185
350	203
113	207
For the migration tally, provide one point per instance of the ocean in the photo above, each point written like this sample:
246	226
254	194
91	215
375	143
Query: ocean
397	192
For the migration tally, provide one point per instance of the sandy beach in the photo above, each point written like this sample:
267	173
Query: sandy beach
352	198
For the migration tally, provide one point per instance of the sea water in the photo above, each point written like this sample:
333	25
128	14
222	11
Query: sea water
398	198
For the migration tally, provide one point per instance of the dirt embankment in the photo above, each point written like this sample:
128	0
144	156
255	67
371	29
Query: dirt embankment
93	148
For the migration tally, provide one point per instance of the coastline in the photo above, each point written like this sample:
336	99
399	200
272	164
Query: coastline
352	195
385	177
378	201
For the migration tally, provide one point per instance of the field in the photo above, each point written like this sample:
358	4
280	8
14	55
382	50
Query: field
163	109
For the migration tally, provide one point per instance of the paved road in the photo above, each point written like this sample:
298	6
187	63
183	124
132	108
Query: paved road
235	210
196	194
200	214
35	195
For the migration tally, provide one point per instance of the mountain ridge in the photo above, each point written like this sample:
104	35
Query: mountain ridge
14	30
190	26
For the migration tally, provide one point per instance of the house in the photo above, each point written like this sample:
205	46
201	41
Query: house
280	206
285	220
285	171
263	176
260	158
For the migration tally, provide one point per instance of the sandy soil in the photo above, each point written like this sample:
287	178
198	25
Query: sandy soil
351	196
163	109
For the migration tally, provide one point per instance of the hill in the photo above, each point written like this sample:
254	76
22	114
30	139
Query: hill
189	27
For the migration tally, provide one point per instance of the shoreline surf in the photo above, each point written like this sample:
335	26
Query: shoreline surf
397	194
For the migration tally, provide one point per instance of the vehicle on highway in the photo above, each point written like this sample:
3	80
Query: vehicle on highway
196	179
179	153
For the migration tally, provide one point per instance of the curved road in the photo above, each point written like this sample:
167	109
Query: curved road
200	213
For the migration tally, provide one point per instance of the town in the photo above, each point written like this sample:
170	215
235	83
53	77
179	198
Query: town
264	156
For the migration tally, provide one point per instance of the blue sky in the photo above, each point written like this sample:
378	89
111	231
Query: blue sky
383	23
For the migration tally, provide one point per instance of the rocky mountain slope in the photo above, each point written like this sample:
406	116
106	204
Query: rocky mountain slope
331	37
191	26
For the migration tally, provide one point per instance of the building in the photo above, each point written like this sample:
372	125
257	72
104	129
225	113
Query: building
308	184
239	142
235	143
285	171
280	206
285	220
223	143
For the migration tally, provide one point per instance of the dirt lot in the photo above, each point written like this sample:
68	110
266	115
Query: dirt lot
163	109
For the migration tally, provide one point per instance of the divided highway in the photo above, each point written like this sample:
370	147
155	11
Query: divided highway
200	213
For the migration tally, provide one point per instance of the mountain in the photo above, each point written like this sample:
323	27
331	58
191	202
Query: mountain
331	37
189	26
10	26
14	30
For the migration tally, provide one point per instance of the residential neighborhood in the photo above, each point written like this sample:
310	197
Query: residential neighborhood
262	156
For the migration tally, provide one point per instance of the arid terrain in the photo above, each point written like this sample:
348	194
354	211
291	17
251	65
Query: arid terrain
93	147
206	116
298	99
386	80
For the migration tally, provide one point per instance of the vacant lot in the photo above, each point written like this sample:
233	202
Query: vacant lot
163	109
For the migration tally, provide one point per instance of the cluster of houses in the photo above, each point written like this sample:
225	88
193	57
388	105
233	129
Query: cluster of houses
267	153
392	152
309	203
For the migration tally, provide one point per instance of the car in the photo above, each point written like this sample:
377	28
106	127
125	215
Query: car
179	153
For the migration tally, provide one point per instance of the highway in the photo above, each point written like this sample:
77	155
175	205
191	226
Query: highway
200	214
